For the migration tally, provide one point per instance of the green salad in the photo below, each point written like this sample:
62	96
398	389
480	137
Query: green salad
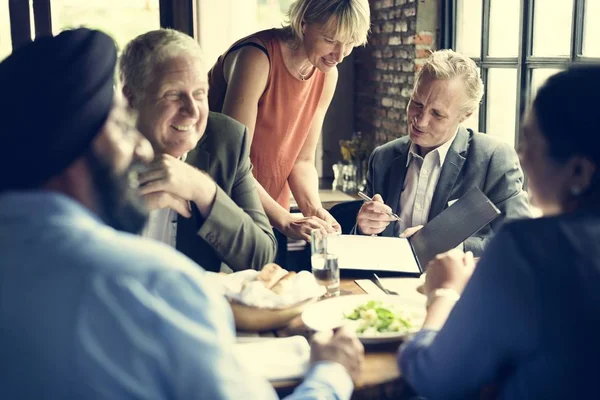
374	317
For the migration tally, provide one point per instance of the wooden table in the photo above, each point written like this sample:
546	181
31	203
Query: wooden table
380	377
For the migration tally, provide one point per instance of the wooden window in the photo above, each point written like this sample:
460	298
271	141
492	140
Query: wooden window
518	44
25	20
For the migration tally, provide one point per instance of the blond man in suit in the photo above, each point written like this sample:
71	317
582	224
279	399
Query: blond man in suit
419	175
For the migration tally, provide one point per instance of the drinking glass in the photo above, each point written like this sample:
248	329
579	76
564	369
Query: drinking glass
325	266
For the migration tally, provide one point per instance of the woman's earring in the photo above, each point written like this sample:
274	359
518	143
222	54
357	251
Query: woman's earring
575	191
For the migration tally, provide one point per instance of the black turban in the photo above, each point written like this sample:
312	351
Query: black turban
56	94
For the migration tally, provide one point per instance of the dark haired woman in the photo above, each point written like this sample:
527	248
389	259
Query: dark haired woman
528	318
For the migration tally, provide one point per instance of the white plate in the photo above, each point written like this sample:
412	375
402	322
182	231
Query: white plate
329	314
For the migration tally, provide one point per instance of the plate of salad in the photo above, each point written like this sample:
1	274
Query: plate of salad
375	319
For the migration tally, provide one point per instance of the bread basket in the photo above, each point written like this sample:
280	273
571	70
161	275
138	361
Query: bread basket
258	308
256	319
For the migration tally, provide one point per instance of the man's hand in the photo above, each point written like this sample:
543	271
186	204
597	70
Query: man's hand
327	217
451	270
168	181
342	347
373	216
158	200
408	232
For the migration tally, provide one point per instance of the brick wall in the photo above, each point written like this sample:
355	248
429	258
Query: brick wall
385	68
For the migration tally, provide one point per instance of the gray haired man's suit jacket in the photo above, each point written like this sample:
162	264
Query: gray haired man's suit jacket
237	231
473	160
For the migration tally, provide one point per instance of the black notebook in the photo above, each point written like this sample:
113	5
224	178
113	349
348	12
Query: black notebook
447	230
452	226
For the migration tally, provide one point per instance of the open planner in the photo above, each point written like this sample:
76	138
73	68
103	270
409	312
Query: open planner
447	230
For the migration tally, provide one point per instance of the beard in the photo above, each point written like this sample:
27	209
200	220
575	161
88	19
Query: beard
119	204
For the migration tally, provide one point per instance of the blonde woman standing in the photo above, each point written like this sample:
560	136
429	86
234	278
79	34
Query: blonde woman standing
279	83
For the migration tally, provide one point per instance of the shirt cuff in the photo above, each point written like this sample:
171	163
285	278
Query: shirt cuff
410	349
334	375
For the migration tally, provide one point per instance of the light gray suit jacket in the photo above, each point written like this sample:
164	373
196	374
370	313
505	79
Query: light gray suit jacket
473	160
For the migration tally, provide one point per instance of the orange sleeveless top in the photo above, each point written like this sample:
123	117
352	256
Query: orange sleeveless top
285	112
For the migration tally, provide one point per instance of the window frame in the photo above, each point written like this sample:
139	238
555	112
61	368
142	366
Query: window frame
175	14
525	62
20	22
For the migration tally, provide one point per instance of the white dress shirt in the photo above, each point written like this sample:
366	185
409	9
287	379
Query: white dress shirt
419	184
162	224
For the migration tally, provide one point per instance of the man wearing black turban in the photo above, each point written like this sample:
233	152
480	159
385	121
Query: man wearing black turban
58	95
88	311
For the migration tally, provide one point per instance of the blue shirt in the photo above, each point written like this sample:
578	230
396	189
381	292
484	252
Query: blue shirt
527	322
87	312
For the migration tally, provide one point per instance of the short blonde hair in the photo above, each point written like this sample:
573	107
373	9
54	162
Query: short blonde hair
448	64
349	19
145	52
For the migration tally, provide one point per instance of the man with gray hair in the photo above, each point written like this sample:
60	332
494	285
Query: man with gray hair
200	186
419	175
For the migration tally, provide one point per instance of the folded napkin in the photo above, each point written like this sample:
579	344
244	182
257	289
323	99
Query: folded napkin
276	359
240	287
369	287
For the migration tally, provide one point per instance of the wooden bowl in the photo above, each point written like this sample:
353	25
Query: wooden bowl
255	319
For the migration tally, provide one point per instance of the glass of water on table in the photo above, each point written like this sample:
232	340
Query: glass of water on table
324	264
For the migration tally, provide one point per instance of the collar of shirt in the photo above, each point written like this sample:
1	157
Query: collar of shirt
442	151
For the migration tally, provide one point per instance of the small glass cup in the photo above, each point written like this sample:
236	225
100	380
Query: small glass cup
325	266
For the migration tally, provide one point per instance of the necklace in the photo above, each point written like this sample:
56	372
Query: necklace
304	76
294	49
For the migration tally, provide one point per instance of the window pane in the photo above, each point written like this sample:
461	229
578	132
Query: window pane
591	32
468	27
123	20
502	104
539	76
223	22
5	41
271	13
552	22
504	42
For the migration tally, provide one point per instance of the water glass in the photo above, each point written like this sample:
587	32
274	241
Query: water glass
325	266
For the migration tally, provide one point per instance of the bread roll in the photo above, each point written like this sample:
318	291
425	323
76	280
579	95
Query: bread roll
284	283
271	274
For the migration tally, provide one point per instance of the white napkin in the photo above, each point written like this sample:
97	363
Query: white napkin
405	287
369	287
303	286
275	359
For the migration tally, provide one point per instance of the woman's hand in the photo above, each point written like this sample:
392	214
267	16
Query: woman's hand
327	217
300	228
450	270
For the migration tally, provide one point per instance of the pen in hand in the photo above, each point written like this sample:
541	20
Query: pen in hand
367	198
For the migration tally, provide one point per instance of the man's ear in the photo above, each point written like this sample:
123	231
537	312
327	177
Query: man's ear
465	117
128	93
